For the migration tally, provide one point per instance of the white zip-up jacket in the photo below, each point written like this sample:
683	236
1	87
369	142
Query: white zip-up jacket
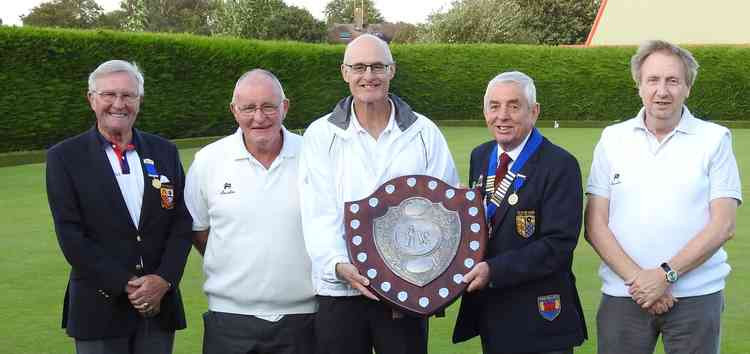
335	167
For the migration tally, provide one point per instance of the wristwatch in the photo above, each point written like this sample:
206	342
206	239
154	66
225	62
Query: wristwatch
670	273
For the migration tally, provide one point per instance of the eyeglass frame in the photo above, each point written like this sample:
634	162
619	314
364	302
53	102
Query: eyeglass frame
111	96
247	111
370	67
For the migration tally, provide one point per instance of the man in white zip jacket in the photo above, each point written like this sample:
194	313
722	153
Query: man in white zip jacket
369	138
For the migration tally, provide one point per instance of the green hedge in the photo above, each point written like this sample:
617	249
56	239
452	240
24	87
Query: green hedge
189	80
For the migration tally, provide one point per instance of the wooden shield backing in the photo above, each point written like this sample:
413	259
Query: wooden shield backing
420	290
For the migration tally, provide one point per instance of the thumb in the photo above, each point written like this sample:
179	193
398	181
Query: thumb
137	281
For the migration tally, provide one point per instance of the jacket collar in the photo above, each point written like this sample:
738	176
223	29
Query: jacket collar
341	114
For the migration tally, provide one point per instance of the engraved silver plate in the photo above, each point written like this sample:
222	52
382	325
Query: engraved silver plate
414	237
417	239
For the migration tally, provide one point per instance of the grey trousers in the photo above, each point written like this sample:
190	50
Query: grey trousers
693	325
149	338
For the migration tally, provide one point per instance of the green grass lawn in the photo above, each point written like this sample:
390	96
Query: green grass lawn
34	272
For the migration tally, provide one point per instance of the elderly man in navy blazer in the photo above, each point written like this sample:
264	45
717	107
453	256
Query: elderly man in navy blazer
116	199
523	298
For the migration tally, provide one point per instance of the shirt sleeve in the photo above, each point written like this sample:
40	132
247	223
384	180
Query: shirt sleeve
195	197
598	181
322	211
724	177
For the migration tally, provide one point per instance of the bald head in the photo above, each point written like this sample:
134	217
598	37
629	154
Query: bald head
368	42
258	76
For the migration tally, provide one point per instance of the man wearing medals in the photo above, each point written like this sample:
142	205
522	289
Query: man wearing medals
523	298
662	200
116	199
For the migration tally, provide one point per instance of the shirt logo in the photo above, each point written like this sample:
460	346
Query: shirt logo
616	178
227	189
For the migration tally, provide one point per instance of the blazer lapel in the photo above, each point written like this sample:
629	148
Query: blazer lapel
101	172
528	170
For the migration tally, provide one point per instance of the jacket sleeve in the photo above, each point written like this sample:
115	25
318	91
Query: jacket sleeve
83	253
322	209
558	230
179	238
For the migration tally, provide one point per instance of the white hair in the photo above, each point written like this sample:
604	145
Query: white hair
524	81
117	66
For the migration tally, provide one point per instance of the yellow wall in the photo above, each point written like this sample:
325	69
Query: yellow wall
627	22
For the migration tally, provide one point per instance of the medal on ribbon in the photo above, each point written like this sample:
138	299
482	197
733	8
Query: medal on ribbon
495	196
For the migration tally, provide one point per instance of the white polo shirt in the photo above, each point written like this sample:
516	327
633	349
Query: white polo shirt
255	261
659	194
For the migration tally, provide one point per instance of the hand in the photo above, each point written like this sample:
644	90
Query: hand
478	277
663	304
350	274
145	293
647	286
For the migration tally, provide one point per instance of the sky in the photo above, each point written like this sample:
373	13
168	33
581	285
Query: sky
414	11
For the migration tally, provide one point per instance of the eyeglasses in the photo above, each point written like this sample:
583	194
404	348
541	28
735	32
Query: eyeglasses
267	109
111	97
377	68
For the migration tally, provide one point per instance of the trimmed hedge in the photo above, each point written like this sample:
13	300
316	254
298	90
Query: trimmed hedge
189	80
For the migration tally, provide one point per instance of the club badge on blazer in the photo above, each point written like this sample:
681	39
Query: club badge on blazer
167	196
525	223
549	306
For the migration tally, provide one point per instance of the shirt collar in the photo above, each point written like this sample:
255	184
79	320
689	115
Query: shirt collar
106	143
403	115
356	127
686	124
239	151
513	153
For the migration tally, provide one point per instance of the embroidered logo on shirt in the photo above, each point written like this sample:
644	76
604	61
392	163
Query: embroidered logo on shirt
227	189
616	178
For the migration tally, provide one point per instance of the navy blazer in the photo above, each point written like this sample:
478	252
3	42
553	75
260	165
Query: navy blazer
103	246
531	303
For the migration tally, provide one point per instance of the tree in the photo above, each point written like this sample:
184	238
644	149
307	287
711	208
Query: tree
64	13
342	11
188	16
405	33
294	23
266	19
559	21
114	20
512	21
472	21
247	18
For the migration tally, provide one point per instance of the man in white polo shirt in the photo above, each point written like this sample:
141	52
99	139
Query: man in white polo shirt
662	200
242	193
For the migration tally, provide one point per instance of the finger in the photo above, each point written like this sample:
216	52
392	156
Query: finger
136	282
366	293
363	280
474	285
647	304
469	277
